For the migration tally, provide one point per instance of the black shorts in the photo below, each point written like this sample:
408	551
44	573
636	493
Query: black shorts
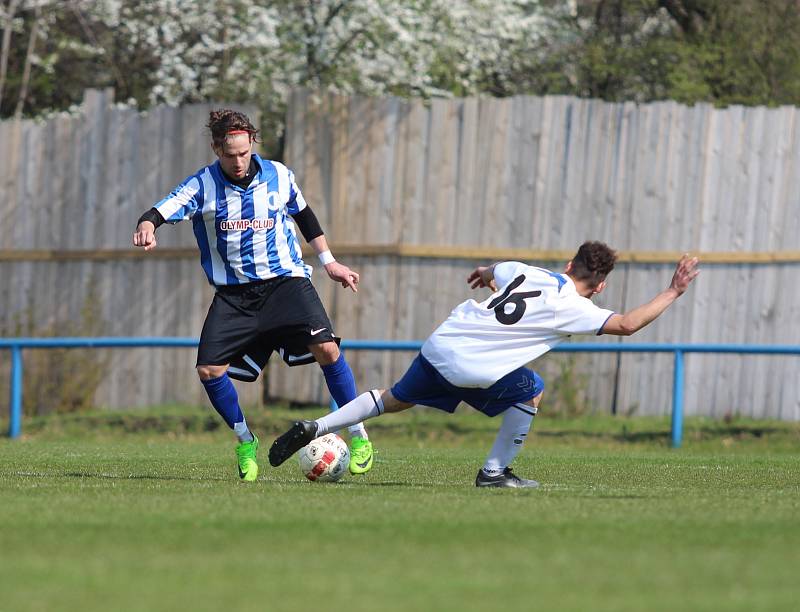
246	323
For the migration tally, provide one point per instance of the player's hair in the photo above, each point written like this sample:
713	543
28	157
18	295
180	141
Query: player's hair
222	122
592	263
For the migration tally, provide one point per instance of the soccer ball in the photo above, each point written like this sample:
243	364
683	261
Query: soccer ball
325	459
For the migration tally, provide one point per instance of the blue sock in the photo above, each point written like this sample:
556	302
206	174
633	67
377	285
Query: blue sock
340	381
225	400
342	386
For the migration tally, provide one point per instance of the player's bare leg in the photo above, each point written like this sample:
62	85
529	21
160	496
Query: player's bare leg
517	421
225	400
365	406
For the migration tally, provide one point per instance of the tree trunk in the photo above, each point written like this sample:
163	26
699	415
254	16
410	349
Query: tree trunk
5	49
26	72
689	16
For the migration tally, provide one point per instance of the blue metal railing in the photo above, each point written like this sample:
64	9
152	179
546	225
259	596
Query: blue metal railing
16	345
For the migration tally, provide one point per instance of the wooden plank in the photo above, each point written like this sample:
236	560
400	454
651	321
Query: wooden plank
349	213
787	313
571	215
440	198
27	183
468	172
13	206
494	174
7	184
419	251
664	230
521	202
337	208
740	148
755	303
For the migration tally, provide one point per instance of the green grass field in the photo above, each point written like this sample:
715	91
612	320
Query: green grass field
145	512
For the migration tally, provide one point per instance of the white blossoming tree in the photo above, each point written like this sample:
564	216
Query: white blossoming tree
176	51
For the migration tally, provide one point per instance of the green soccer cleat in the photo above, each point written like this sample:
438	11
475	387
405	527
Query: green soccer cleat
246	454
360	455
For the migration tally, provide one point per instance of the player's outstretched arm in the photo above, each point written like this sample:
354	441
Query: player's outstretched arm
634	320
336	271
145	235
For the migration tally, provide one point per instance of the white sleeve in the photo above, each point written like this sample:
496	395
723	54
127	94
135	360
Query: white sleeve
505	271
181	203
296	201
578	315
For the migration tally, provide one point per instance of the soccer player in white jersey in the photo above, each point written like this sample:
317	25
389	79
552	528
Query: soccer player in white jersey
478	354
244	209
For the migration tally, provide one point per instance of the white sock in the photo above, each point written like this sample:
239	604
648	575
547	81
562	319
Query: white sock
517	422
365	406
358	430
242	431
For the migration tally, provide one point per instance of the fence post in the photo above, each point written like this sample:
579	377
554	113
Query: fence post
677	400
15	405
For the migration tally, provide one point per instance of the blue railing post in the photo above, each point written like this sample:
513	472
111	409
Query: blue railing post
677	400
15	404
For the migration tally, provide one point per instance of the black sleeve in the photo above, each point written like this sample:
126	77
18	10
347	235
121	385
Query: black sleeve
153	216
309	225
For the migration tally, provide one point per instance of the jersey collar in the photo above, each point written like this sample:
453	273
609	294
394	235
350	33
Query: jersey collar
253	172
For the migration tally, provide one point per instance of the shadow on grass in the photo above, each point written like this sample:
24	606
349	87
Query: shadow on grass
638	436
665	436
135	476
420	427
393	484
354	483
618	496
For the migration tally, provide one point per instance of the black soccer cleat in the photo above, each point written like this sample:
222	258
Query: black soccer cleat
505	479
287	444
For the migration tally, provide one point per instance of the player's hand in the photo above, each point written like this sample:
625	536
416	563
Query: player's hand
482	276
342	274
685	273
145	235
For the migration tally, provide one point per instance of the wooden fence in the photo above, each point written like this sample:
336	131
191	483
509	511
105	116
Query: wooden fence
545	174
412	195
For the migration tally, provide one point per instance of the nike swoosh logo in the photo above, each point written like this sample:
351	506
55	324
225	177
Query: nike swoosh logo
314	332
363	465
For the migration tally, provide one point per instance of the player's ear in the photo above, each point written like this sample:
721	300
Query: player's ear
568	268
600	286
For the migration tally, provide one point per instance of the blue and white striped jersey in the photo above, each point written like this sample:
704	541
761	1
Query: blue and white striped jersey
244	235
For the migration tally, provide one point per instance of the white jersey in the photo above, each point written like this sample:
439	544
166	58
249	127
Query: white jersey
533	311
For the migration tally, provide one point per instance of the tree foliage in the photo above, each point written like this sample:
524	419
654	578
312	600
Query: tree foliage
718	51
176	51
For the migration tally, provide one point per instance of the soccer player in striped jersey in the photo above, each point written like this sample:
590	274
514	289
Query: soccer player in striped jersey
244	211
478	354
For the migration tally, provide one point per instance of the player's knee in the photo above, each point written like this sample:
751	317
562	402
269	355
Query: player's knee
531	406
207	372
325	353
